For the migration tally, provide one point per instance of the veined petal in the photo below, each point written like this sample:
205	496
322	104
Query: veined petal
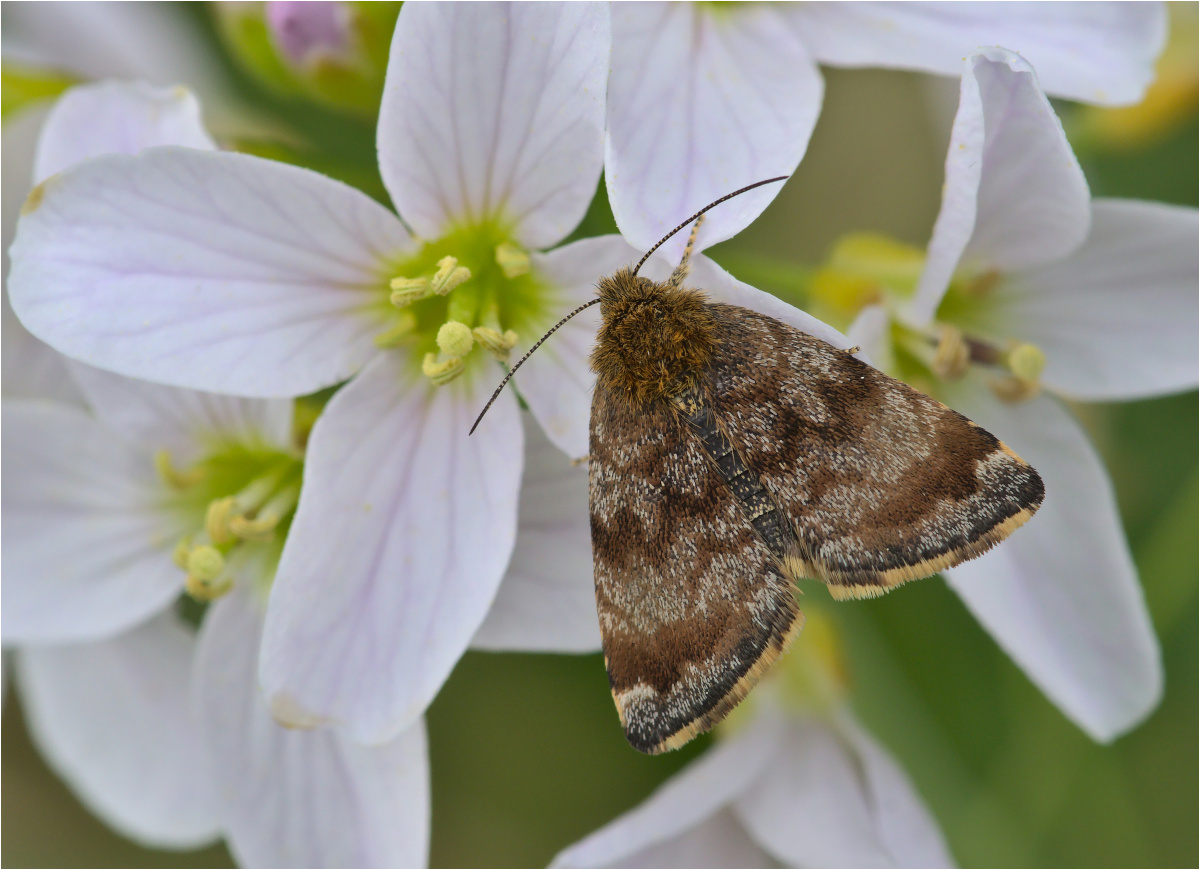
1116	319
117	118
702	102
495	111
114	720
556	381
1014	196
689	800
183	422
1061	596
1095	52
87	553
214	271
301	798
363	634
547	601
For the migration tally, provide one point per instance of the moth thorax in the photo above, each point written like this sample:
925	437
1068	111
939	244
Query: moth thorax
654	341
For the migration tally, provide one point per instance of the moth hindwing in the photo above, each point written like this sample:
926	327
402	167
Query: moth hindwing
731	454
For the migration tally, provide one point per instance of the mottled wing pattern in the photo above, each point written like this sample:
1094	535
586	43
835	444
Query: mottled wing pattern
881	483
693	607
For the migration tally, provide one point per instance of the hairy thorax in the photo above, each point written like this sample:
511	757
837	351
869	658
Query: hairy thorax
654	341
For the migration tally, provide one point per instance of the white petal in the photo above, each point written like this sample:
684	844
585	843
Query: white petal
117	118
687	801
547	601
214	271
1116	319
556	381
114	720
87	552
495	112
701	103
871	332
811	807
1014	195
904	825
1062	595
302	798
30	369
401	537
1096	52
184	422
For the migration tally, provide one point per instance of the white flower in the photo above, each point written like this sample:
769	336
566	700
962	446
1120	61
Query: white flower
233	274
1030	284
798	785
704	99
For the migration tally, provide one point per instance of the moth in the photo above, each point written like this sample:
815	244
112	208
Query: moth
732	454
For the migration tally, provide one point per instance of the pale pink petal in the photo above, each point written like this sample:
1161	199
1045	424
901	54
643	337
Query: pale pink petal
689	800
557	381
495	111
301	798
1117	319
214	271
1096	52
702	102
117	118
402	535
114	720
184	422
87	550
1061	596
1014	195
546	601
871	332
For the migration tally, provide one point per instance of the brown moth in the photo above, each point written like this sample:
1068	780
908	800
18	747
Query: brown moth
732	454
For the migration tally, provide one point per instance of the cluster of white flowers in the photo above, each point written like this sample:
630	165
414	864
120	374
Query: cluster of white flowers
195	292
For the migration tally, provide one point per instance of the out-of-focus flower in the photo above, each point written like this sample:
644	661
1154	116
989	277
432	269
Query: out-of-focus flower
706	98
793	781
1028	284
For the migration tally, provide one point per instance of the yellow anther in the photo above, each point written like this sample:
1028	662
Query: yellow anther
1013	390
207	590
172	476
513	261
404	324
952	355
1026	362
216	520
180	554
405	291
205	563
258	529
454	339
448	276
498	344
984	283
441	372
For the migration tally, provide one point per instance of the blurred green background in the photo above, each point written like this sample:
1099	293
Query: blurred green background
527	754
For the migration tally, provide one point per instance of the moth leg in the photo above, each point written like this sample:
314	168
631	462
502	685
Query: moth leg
681	271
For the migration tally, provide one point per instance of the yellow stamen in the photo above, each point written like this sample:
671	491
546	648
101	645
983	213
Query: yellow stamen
513	261
180	554
1013	390
408	290
1026	362
216	520
448	276
205	562
207	590
454	339
496	343
952	355
441	372
172	476
262	527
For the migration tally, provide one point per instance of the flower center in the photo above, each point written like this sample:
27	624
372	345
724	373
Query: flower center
473	290
239	499
867	270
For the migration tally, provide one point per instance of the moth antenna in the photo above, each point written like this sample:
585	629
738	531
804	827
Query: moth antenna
513	370
712	204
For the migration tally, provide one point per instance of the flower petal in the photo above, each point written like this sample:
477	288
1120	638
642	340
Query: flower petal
184	422
495	112
117	118
688	801
557	381
114	720
1014	196
214	271
1062	595
547	601
1117	319
402	535
86	551
700	103
302	798
1095	52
